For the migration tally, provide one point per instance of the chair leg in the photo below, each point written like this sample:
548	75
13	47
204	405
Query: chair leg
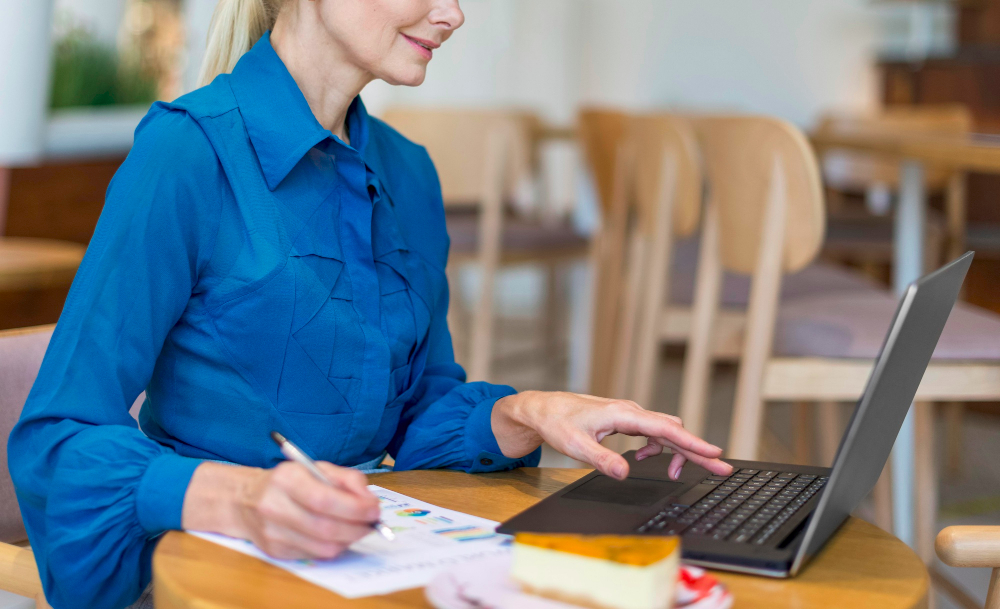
830	431
926	482
552	320
993	595
955	204
5	173
882	498
623	358
490	231
954	413
697	373
457	324
481	343
804	438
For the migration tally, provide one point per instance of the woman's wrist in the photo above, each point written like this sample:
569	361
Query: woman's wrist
514	424
214	498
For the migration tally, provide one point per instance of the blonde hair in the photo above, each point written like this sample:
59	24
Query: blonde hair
236	26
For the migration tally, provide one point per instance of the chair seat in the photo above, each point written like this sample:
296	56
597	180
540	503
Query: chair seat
853	325
520	236
27	263
818	277
871	235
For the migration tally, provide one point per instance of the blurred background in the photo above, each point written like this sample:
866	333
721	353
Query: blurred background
898	100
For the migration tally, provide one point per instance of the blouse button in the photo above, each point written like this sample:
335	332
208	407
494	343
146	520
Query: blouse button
485	461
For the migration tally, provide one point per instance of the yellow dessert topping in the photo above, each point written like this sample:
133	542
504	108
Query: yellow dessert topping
628	550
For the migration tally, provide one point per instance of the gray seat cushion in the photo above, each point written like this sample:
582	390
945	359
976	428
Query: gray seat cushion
829	311
854	325
818	277
519	235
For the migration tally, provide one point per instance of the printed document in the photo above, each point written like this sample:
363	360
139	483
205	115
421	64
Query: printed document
429	539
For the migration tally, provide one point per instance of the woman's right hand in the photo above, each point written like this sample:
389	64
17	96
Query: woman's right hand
285	511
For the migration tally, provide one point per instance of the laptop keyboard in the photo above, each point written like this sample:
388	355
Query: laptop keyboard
747	507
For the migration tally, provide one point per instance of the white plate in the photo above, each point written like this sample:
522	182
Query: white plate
484	584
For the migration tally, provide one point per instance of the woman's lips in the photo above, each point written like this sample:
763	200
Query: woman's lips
424	47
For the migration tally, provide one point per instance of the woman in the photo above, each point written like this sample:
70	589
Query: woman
272	258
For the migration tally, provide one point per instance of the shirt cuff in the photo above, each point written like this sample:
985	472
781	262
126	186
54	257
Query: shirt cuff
160	498
482	450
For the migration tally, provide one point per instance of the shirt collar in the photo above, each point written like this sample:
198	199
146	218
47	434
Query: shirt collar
281	126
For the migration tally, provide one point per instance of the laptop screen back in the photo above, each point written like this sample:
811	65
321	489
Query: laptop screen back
865	446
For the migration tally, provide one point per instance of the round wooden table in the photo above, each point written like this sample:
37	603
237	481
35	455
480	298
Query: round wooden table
861	567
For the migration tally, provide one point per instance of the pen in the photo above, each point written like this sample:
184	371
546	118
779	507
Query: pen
294	453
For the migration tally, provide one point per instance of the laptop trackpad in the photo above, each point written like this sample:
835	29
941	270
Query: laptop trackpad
631	491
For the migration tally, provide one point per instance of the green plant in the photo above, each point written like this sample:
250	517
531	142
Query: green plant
87	72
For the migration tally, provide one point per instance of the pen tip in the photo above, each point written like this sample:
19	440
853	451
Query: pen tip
278	438
385	531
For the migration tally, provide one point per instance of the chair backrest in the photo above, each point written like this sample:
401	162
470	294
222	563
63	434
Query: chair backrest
747	160
851	169
21	353
656	137
461	142
601	132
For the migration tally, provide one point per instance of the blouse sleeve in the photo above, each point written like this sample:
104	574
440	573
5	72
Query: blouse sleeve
94	491
447	423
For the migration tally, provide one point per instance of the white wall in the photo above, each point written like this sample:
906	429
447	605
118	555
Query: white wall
792	58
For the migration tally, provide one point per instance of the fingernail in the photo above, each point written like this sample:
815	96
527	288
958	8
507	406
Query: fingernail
718	448
618	470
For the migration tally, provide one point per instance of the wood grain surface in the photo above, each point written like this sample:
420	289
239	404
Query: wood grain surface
27	263
862	567
968	152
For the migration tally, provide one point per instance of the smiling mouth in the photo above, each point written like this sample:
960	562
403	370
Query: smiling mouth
420	44
424	47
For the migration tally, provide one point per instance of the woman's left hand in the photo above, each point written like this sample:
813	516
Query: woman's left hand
574	424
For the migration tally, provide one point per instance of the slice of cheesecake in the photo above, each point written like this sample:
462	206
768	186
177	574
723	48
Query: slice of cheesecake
603	572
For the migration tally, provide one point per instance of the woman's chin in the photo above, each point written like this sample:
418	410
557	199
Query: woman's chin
409	77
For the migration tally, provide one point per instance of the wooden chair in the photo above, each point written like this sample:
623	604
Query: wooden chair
657	199
976	547
646	279
484	158
818	348
21	353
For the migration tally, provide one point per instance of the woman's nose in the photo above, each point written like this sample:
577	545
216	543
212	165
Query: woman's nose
447	14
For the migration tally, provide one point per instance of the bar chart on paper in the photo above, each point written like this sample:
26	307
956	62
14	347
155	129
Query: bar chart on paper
429	539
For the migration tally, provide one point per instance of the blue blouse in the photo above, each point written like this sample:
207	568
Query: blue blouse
251	272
